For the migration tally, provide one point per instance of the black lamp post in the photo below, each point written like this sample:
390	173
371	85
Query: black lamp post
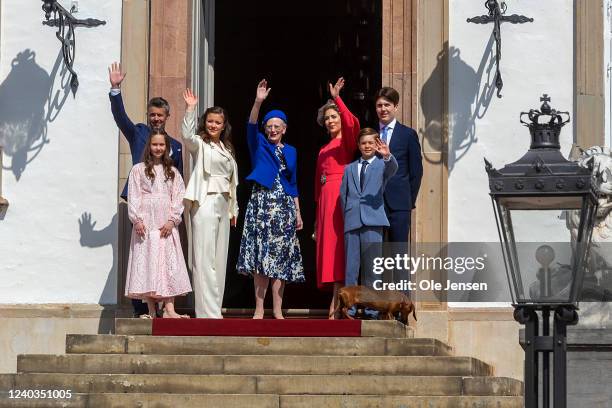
541	188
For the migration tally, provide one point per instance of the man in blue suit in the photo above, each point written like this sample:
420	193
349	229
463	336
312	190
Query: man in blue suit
361	197
137	135
403	188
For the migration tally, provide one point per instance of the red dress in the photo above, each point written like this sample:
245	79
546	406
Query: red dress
333	157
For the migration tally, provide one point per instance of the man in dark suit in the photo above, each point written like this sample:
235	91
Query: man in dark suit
137	135
402	189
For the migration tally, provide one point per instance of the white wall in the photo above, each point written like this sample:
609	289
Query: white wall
60	159
607	61
537	58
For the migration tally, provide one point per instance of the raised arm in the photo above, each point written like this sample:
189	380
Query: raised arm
115	77
188	127
350	123
390	163
260	96
252	133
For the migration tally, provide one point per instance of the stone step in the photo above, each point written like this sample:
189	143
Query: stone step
369	328
226	345
270	384
384	401
134	327
111	400
245	364
264	401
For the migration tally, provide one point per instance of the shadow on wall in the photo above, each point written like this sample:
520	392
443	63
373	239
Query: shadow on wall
468	102
91	238
28	102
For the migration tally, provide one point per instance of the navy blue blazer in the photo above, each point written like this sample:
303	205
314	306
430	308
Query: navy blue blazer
403	188
266	164
365	207
137	136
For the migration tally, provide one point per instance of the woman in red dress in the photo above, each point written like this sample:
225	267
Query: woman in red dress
343	128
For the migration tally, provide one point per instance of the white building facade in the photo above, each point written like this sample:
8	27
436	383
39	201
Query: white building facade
63	234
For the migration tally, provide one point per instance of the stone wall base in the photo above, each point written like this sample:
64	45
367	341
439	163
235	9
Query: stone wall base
42	329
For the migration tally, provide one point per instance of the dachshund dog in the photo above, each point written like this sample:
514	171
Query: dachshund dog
387	302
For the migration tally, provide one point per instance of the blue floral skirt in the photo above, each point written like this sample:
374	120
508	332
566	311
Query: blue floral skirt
269	244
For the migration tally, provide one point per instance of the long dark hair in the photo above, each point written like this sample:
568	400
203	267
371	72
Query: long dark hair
166	161
226	133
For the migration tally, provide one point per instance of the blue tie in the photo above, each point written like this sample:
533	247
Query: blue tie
362	174
384	133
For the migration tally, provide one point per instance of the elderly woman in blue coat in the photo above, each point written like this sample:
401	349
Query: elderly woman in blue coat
269	249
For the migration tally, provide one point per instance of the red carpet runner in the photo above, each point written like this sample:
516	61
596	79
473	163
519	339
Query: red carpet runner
257	328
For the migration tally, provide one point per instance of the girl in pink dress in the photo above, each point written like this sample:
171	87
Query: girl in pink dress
156	267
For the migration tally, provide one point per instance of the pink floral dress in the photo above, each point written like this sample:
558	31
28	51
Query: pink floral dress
156	267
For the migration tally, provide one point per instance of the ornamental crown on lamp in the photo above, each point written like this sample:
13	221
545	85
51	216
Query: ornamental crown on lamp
543	169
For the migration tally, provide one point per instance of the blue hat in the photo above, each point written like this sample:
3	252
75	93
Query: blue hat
274	114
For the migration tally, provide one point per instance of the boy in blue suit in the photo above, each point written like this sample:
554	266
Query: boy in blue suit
362	198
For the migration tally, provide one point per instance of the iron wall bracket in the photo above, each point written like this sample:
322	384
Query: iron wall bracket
65	23
497	16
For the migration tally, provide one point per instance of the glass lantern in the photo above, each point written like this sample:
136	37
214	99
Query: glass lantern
544	207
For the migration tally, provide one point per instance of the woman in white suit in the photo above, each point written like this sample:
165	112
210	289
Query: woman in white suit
212	191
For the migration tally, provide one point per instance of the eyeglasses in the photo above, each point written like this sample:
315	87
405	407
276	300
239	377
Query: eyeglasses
274	127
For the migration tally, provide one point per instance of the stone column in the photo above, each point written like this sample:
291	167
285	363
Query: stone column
170	61
134	90
415	42
170	73
589	97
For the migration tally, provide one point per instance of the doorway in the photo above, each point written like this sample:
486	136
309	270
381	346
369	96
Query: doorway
298	47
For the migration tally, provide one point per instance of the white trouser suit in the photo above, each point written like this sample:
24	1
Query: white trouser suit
212	190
